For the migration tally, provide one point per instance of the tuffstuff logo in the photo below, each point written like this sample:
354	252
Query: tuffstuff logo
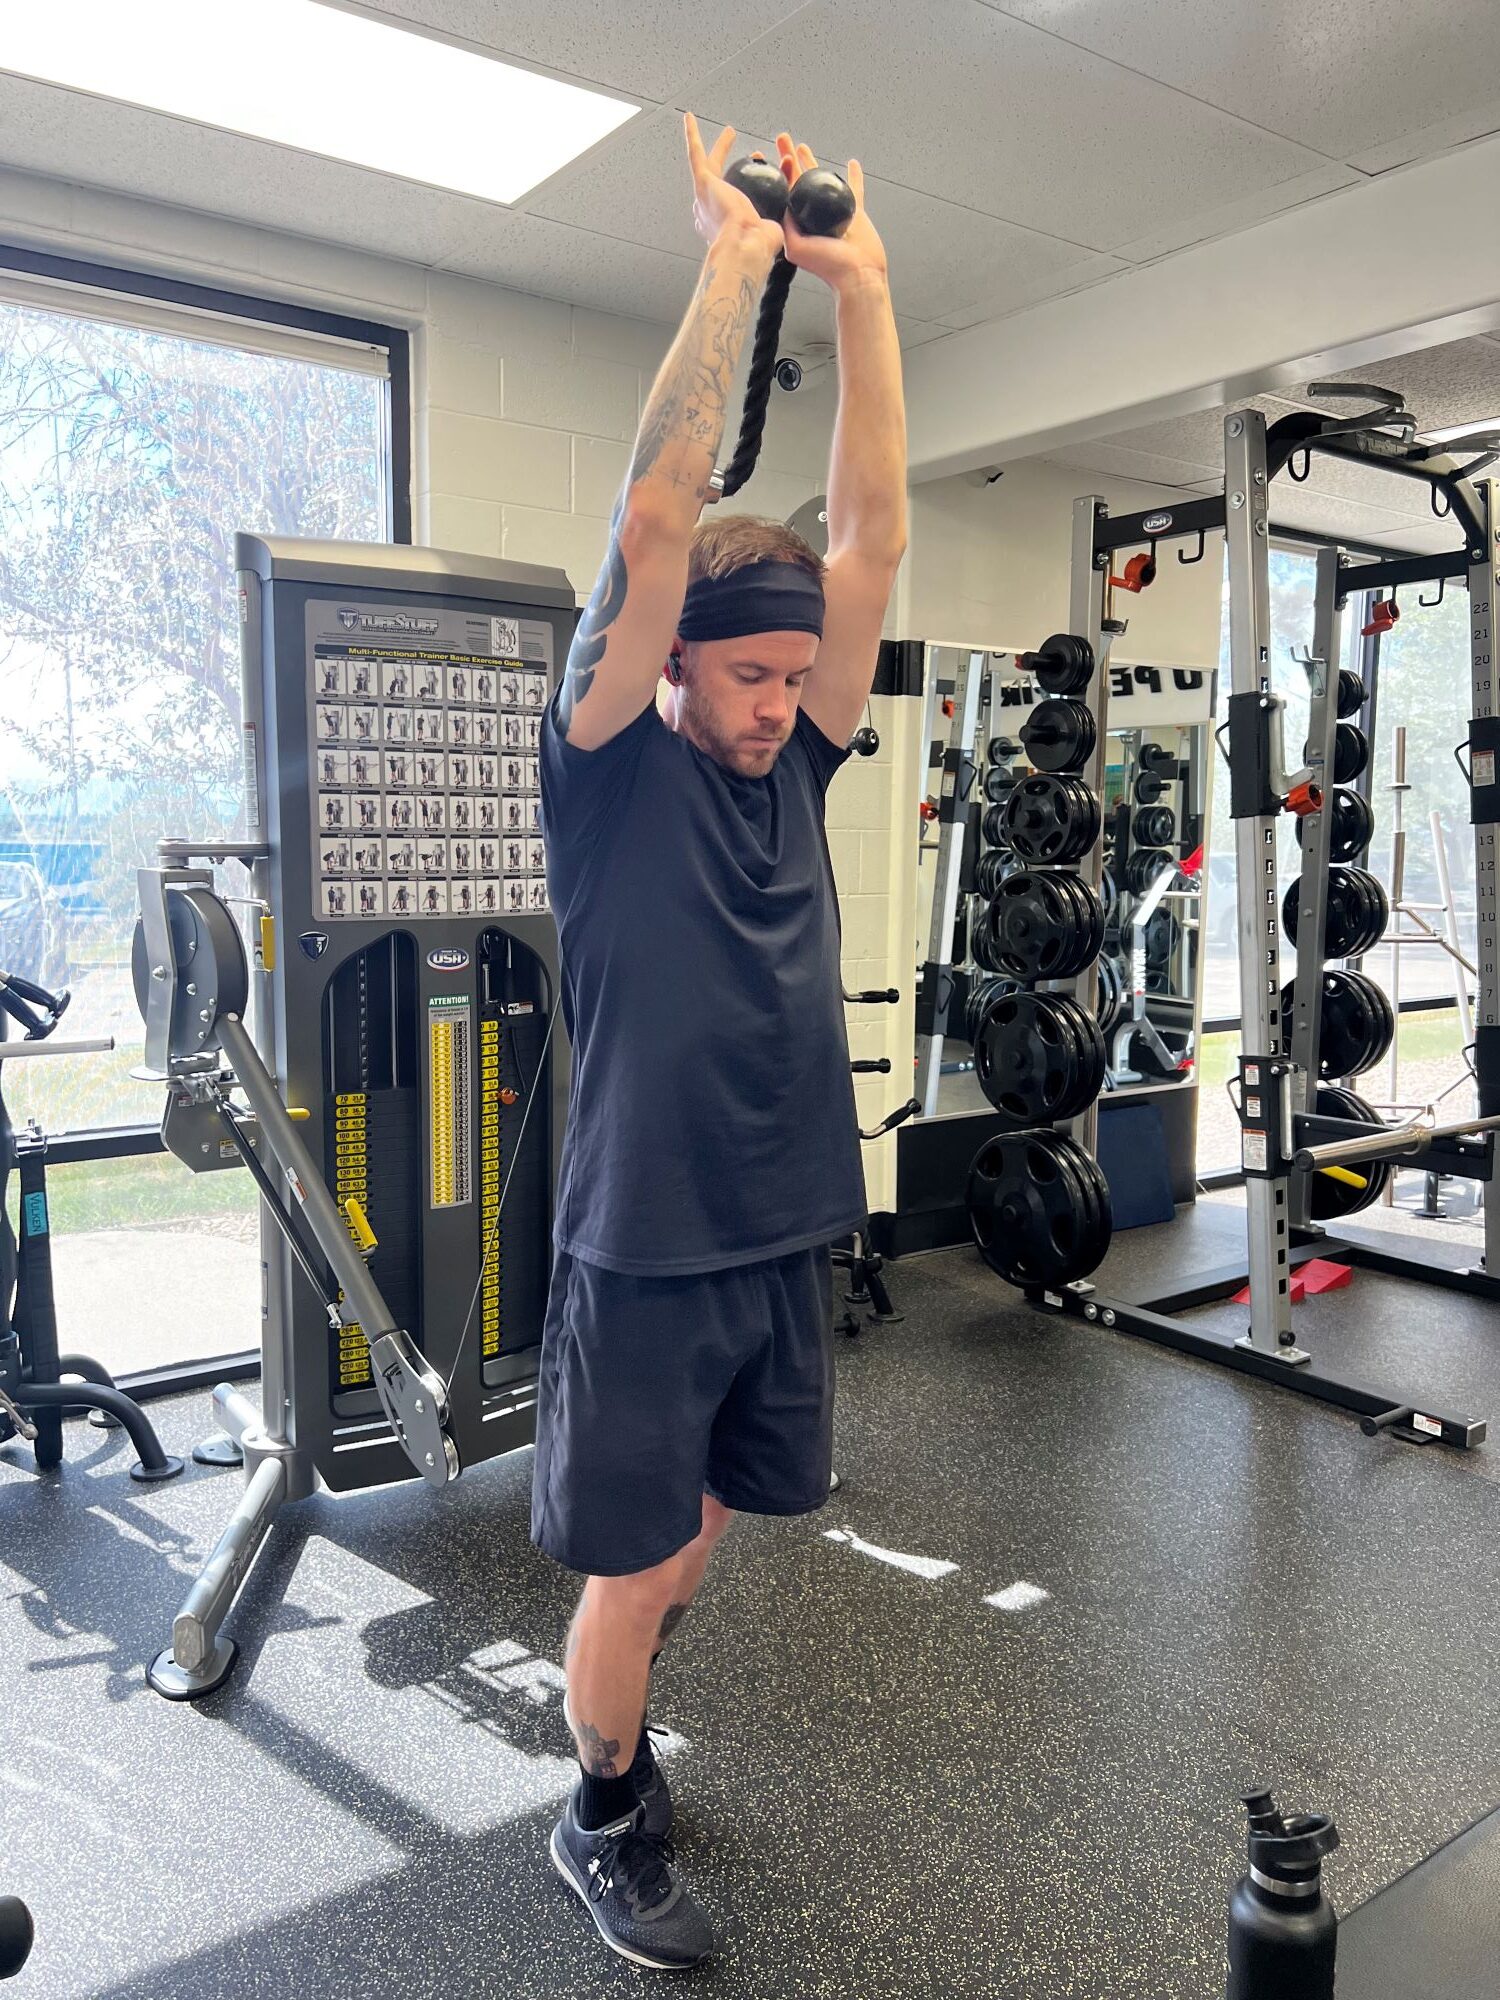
387	621
447	958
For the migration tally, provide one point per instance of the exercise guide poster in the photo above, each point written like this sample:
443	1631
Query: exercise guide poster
423	734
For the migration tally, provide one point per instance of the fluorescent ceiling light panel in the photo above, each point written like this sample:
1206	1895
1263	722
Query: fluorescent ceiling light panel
305	75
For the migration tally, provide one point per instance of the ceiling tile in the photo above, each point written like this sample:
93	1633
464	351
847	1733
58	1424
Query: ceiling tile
1197	439
954	98
1336	75
1315	513
1090	270
638	187
1457	382
94	141
530	254
1422	537
1118	461
650	47
1370	485
1242	213
1421	142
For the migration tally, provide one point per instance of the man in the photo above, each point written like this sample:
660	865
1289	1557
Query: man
712	1153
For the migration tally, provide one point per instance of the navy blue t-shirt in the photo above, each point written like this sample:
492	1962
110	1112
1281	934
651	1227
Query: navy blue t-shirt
712	1120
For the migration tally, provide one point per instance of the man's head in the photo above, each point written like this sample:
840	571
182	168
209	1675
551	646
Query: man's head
736	697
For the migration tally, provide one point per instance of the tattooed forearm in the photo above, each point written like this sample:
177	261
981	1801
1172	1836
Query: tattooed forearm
597	1753
675	449
683	425
589	640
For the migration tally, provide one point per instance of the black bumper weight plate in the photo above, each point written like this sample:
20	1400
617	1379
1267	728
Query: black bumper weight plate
1159	761
1039	1058
1051	819
1001	749
1059	734
992	826
1042	926
1154	826
988	870
1163	935
1064	665
997	782
1355	1022
1109	1000
1351	695
1351	752
1143	867
1149	788
1329	1198
1038	1208
983	995
1352	823
1358	912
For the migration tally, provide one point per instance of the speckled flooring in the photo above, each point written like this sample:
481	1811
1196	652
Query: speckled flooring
887	1785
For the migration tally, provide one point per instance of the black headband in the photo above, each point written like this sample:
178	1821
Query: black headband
762	597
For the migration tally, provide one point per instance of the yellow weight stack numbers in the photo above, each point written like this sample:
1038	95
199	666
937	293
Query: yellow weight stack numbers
448	1028
489	1186
351	1181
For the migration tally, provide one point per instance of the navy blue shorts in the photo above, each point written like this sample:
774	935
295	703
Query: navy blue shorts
655	1391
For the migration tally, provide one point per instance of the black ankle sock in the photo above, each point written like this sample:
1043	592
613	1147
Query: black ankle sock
640	1763
601	1801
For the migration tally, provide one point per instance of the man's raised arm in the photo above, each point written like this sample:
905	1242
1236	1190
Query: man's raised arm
867	470
625	634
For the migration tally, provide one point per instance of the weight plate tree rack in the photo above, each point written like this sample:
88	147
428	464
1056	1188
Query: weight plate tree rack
1281	1131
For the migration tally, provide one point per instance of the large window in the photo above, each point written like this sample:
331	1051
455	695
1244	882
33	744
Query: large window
130	455
142	425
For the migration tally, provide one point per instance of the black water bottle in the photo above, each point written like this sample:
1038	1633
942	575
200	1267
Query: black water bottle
1282	1929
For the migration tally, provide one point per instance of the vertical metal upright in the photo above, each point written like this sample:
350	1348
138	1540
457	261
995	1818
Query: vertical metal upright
1317	836
953	806
1254	759
1087	579
1484	593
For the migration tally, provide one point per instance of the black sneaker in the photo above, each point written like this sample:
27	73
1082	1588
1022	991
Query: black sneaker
625	1879
651	1787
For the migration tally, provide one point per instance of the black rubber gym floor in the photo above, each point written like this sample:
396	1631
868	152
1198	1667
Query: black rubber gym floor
888	1785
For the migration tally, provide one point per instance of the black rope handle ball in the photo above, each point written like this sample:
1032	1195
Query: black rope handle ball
821	203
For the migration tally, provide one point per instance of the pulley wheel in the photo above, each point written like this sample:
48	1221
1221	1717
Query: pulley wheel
209	957
1039	1209
1351	752
1039	1058
1059	735
1051	819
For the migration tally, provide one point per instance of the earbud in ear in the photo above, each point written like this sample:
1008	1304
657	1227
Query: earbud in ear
674	668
